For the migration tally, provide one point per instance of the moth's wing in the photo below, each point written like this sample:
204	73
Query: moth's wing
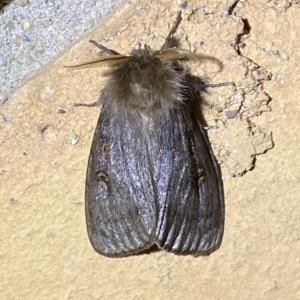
191	200
121	210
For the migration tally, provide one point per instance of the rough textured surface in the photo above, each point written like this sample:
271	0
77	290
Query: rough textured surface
45	142
32	33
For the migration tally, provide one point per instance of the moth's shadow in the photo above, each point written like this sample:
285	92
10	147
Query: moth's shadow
150	250
3	3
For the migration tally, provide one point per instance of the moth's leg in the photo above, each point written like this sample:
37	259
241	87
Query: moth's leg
169	42
96	103
219	84
104	51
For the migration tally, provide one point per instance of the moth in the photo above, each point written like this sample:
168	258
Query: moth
152	178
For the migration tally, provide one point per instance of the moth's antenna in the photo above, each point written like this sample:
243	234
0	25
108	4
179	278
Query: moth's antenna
172	31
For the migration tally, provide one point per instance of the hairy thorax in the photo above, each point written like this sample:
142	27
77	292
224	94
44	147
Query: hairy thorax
145	83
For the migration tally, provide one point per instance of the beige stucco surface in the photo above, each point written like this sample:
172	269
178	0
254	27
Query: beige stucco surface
45	251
